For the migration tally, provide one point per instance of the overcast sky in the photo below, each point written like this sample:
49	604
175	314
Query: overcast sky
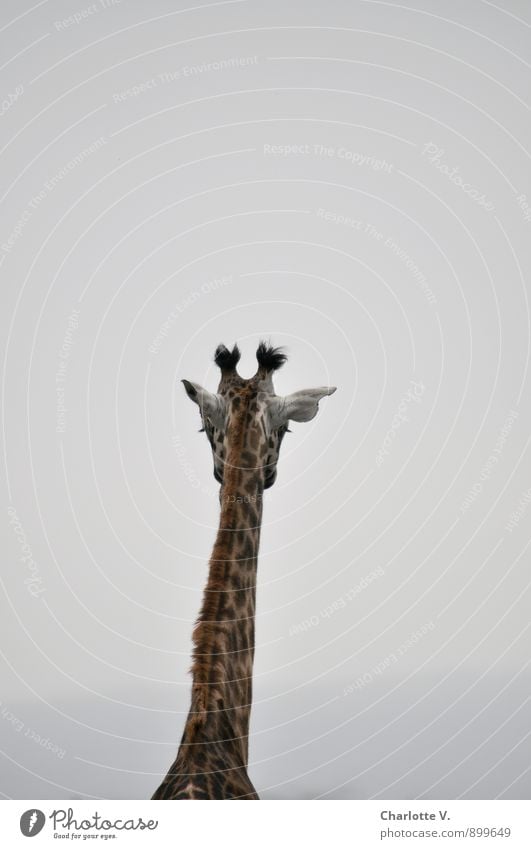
347	179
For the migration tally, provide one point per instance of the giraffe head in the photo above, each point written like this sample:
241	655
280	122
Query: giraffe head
251	408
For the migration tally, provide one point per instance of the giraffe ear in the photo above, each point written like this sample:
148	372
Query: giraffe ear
212	406
300	406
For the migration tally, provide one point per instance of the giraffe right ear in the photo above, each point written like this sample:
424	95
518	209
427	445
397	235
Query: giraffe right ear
212	406
300	406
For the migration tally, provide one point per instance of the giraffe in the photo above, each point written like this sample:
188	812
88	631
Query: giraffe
245	422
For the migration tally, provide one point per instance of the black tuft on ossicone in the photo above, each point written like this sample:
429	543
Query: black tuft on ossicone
270	358
225	359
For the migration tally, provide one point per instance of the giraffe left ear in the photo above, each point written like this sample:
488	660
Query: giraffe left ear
211	406
300	406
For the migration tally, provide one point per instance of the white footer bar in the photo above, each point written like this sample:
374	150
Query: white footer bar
358	824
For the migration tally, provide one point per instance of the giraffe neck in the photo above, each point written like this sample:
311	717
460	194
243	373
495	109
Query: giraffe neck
224	634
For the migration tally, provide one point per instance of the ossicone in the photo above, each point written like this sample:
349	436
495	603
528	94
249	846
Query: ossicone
227	360
270	358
